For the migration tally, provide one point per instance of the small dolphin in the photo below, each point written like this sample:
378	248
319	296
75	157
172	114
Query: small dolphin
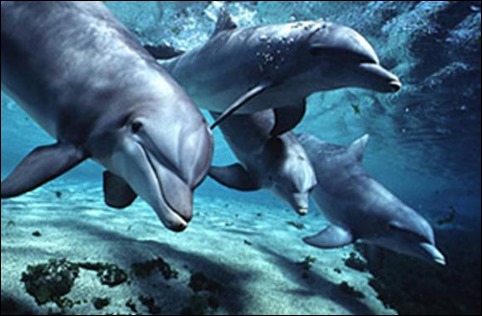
86	80
360	208
246	70
278	163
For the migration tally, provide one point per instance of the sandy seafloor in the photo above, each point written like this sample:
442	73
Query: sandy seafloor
248	249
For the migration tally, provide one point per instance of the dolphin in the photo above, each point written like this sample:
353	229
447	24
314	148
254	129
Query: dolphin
360	208
278	163
77	71
246	70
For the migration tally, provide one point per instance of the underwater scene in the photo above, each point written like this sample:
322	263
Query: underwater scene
241	158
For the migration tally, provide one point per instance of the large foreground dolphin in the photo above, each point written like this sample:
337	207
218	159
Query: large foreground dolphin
277	163
360	208
245	70
82	76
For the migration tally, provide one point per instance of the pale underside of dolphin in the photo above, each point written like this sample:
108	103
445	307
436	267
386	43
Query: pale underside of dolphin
87	81
361	209
277	163
246	70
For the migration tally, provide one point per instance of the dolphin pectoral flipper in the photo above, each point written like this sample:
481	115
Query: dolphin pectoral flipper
243	100
117	193
234	177
163	52
330	237
40	166
287	119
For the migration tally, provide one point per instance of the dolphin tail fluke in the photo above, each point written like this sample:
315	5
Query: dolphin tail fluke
234	177
287	119
330	237
41	166
117	193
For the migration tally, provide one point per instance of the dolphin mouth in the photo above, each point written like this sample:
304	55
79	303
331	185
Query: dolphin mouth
170	217
379	79
431	253
395	86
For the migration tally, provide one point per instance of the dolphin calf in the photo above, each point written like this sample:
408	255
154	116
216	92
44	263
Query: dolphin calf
278	163
246	70
360	208
86	80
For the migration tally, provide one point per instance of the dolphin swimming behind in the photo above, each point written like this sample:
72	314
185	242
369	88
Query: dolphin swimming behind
360	208
87	81
277	163
246	70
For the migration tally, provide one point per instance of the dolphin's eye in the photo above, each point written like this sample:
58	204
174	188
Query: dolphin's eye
136	127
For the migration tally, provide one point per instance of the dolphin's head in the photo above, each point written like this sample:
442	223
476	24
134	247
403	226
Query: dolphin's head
346	59
410	234
291	175
163	156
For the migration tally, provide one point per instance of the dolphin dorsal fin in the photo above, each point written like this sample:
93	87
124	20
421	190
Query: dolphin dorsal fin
225	22
358	147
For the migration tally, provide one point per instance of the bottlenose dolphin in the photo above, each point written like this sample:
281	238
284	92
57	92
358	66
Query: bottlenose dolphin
278	163
86	80
360	208
246	70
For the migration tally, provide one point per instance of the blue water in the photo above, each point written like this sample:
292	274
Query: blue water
425	141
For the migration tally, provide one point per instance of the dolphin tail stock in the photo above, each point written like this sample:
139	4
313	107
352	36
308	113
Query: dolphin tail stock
41	166
234	177
242	101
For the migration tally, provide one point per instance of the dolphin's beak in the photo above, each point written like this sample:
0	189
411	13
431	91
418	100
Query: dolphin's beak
166	192
431	253
380	79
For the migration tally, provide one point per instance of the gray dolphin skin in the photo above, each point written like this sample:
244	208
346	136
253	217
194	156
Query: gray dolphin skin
360	208
86	80
277	163
245	70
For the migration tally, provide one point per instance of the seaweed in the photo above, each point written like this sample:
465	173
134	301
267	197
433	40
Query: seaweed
101	302
306	266
108	273
145	269
199	282
449	219
150	303
132	305
356	263
200	305
50	282
350	290
297	225
356	108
